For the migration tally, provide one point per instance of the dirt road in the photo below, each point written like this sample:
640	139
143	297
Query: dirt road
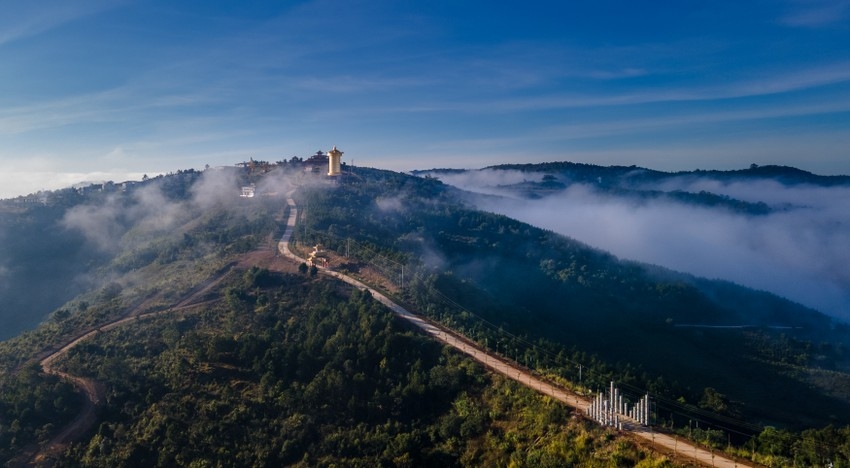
674	445
93	390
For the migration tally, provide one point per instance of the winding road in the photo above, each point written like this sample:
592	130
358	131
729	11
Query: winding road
671	444
94	391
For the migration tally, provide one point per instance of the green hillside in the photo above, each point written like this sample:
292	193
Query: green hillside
276	366
293	371
631	316
270	368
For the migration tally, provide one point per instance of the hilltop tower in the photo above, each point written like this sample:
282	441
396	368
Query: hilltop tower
334	157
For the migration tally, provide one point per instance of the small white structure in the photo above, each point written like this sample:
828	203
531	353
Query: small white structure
248	191
334	157
612	409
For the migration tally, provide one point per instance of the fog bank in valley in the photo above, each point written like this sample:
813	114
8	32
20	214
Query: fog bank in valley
799	250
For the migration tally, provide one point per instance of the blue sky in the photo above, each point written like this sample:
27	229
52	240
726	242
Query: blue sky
100	90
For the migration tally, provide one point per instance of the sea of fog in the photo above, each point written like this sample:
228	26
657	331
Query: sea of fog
801	251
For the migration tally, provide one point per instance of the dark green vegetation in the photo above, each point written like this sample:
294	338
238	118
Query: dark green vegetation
293	371
274	369
290	368
32	406
154	259
571	304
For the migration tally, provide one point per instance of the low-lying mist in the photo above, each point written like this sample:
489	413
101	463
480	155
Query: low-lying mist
153	209
49	254
799	250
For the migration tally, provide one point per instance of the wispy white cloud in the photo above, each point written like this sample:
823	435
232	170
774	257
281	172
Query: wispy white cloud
354	71
487	96
788	81
515	146
360	84
769	84
816	13
22	18
646	124
469	81
617	74
59	112
121	103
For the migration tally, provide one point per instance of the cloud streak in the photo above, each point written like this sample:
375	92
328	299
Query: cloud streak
816	13
22	19
785	82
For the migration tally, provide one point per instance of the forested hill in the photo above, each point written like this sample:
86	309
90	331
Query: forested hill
700	188
54	244
630	174
772	360
220	363
714	356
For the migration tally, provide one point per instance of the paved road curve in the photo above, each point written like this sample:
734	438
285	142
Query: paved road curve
509	369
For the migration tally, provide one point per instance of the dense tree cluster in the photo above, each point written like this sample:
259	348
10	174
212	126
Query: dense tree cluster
32	406
294	371
48	265
643	321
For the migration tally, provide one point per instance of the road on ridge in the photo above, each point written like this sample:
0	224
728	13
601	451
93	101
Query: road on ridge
680	448
93	390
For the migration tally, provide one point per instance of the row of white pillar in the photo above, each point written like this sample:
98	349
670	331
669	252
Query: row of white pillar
608	409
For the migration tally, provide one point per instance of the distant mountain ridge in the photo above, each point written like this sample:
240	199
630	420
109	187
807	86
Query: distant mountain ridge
639	183
589	172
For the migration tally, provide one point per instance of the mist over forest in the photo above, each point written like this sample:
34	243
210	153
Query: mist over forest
795	248
52	252
553	303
